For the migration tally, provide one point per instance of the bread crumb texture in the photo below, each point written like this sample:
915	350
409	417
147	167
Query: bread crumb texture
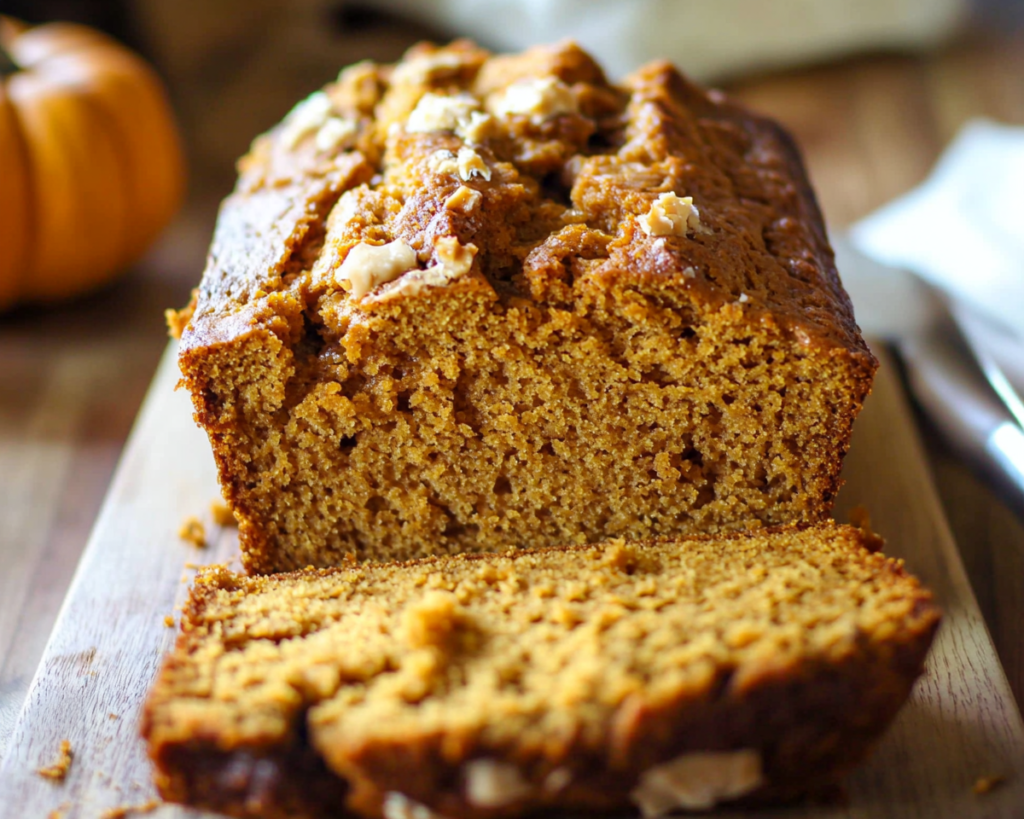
665	674
507	303
58	770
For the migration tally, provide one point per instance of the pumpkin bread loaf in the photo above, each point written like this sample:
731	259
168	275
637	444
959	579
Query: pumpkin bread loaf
665	674
468	302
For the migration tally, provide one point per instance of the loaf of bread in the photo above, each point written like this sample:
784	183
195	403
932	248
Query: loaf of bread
469	302
660	675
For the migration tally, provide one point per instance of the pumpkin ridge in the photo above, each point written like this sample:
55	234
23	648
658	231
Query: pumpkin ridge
15	261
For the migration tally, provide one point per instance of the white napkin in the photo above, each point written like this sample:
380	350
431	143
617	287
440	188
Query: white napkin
962	231
706	39
962	234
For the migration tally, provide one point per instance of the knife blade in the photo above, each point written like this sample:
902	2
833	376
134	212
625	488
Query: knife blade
999	355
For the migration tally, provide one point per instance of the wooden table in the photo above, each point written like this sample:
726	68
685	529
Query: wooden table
73	378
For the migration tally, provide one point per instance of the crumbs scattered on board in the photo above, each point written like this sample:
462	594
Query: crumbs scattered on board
59	811
168	621
59	769
984	784
222	514
130	810
193	531
112	715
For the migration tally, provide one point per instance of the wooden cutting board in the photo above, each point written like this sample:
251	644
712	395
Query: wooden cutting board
960	725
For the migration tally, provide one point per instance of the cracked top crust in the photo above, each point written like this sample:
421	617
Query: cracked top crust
543	167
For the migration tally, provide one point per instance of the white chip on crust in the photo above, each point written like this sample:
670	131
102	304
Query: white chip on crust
440	112
471	164
399	806
697	781
305	118
540	98
494	784
315	116
335	133
426	68
477	128
367	266
558	780
454	260
465	165
672	215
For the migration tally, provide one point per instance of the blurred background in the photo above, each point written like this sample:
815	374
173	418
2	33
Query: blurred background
872	89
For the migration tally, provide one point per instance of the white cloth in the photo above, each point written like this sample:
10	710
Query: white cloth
708	39
962	231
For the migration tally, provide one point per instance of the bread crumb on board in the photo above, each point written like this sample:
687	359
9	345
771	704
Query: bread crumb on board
193	531
985	784
59	769
112	715
169	621
222	514
59	811
130	810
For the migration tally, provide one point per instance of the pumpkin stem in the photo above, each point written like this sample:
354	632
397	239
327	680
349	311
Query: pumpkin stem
7	64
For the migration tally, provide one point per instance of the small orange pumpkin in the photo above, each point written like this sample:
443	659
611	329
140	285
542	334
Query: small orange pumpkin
91	167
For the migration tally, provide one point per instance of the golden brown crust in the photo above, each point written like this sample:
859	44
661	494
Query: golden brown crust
548	370
595	662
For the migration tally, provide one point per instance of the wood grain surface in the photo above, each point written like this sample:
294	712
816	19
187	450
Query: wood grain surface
961	725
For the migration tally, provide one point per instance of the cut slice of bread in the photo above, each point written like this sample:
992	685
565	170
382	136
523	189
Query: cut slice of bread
663	674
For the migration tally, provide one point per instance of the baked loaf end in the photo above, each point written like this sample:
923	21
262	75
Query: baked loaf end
474	301
664	674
